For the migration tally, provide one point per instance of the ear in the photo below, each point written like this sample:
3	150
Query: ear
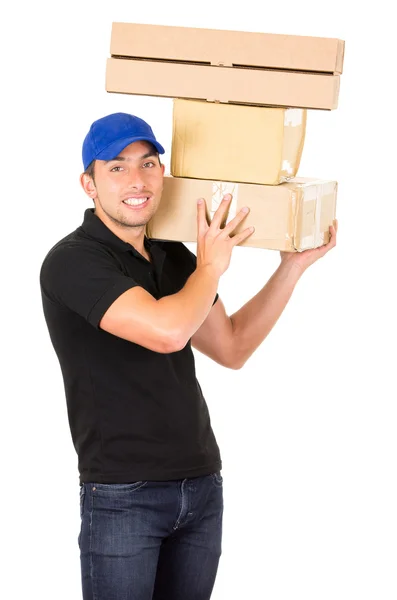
88	185
162	168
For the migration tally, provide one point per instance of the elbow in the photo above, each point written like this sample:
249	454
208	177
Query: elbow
176	346
236	366
234	362
171	341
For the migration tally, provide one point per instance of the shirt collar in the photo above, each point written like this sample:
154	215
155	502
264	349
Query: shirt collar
95	228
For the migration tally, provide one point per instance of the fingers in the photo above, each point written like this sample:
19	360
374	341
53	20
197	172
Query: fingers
202	224
220	213
231	226
321	250
332	238
243	235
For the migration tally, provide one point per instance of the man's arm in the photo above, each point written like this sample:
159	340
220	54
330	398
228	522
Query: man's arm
167	324
163	325
230	341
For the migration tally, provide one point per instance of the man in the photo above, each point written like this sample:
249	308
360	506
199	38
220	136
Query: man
123	312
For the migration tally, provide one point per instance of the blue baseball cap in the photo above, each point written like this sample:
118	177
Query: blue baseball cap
109	136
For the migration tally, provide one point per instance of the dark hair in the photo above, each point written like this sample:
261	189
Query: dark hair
90	170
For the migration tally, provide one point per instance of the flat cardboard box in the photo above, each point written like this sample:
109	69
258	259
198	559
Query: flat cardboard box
222	84
292	216
228	48
228	142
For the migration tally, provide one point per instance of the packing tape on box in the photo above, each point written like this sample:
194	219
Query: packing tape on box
219	189
293	219
286	166
310	193
293	117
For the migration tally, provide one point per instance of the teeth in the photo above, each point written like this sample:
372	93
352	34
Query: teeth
135	201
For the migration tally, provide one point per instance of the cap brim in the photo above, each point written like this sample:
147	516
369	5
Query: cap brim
118	146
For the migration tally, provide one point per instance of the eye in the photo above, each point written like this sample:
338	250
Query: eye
116	169
149	164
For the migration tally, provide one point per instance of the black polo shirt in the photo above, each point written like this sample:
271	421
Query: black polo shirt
134	414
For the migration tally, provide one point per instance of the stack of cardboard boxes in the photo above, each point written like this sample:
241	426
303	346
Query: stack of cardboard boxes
239	122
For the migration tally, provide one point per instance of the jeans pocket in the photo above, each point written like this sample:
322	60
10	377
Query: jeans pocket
113	488
217	479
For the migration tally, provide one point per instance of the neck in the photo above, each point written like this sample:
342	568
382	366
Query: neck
134	236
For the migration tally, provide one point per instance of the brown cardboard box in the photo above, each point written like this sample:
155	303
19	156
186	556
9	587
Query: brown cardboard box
292	216
227	48
229	142
222	84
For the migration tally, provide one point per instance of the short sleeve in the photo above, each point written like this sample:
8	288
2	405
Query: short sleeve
85	279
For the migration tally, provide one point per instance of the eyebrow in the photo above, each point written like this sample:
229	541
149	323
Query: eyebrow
121	158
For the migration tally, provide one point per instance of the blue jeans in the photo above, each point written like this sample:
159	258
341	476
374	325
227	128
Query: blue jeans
151	540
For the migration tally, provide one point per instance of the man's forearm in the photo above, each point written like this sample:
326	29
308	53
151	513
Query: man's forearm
186	310
254	321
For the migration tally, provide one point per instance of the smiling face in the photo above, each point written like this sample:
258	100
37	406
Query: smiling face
126	190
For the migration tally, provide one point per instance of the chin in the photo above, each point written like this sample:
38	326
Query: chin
142	222
139	224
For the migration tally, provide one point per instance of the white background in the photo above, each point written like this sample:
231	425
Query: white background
307	428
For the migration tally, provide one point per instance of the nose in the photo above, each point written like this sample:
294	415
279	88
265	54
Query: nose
136	180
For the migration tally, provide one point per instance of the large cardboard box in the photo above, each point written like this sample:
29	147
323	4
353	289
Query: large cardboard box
292	216
222	84
227	48
229	142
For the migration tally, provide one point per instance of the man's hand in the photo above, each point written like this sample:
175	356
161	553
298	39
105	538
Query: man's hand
303	260
214	245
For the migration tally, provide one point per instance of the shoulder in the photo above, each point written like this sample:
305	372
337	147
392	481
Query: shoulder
77	258
72	248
